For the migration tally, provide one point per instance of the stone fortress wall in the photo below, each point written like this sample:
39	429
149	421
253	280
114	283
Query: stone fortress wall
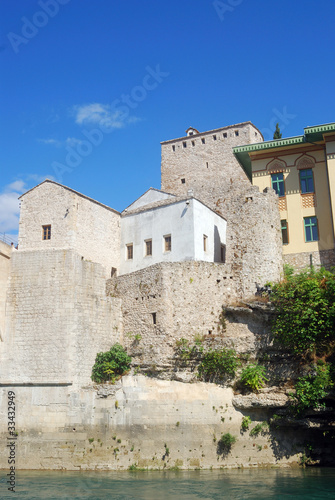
5	257
58	318
169	301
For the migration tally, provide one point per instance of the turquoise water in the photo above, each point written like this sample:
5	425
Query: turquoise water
177	485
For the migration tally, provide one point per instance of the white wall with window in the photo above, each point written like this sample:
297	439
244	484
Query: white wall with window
170	233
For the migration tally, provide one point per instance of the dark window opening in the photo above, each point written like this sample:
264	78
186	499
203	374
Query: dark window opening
203	141
113	271
173	148
130	251
193	143
223	253
167	243
225	135
237	133
209	332
183	181
148	247
46	233
184	145
284	231
154	319
214	137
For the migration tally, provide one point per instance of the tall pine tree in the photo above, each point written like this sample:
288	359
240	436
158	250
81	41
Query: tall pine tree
277	133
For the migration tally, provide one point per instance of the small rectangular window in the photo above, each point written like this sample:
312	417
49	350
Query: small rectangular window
237	133
129	251
173	148
154	318
306	181
183	181
46	232
193	143
284	231
203	140
184	145
214	137
225	135
167	243
205	243
277	183
207	164
223	253
311	229
148	247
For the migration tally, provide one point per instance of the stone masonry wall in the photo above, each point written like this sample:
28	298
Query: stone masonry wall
184	299
254	244
58	318
90	228
300	261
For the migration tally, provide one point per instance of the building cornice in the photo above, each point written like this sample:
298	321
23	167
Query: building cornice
312	135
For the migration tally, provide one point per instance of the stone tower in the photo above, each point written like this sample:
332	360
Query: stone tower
204	164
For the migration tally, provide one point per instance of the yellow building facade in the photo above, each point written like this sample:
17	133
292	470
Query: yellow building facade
302	172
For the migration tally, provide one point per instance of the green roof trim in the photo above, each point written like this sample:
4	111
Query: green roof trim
314	134
311	134
242	152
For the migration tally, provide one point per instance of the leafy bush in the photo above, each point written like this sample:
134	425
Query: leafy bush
305	307
225	443
110	365
253	377
246	421
311	389
216	364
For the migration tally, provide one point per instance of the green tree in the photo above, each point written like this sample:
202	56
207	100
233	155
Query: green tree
311	389
277	133
305	307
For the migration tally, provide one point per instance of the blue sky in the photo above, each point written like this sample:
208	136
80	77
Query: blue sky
89	89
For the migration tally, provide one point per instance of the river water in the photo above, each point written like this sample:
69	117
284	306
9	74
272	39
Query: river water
177	485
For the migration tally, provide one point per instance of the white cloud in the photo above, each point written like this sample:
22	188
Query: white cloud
99	114
50	142
72	141
9	203
9	206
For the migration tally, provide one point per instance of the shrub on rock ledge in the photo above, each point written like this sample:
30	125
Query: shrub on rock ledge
111	365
